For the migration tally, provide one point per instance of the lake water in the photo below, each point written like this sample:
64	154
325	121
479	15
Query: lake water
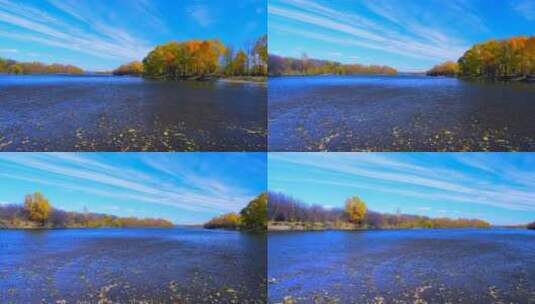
403	266
105	113
132	265
399	113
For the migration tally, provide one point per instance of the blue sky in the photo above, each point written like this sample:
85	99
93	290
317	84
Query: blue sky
497	187
410	35
100	35
186	188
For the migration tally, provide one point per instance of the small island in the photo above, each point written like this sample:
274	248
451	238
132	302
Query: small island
251	218
531	226
38	213
286	213
201	60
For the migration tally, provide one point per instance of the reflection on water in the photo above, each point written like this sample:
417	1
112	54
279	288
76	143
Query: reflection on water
404	266
104	113
180	265
399	113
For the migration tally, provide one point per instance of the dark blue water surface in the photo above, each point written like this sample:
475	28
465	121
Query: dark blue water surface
106	113
182	265
403	266
399	113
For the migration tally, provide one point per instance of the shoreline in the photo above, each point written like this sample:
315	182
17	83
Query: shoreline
230	79
260	80
483	79
315	227
2	228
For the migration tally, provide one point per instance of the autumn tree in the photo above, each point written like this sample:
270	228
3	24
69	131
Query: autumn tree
239	63
37	207
3	65
227	221
514	57
355	209
254	216
133	68
175	60
15	69
448	68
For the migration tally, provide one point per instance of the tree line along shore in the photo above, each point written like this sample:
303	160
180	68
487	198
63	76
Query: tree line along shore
281	213
287	213
191	59
15	67
251	218
288	66
37	213
508	59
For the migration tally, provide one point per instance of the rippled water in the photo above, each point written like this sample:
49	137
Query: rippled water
122	265
399	113
405	266
105	113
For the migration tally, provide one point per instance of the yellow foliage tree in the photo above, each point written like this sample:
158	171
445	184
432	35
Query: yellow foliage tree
355	209
38	207
132	68
448	68
228	221
513	57
254	216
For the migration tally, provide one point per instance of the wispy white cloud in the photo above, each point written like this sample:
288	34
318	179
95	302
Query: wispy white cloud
525	8
86	33
410	179
9	51
411	36
201	14
68	8
78	172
